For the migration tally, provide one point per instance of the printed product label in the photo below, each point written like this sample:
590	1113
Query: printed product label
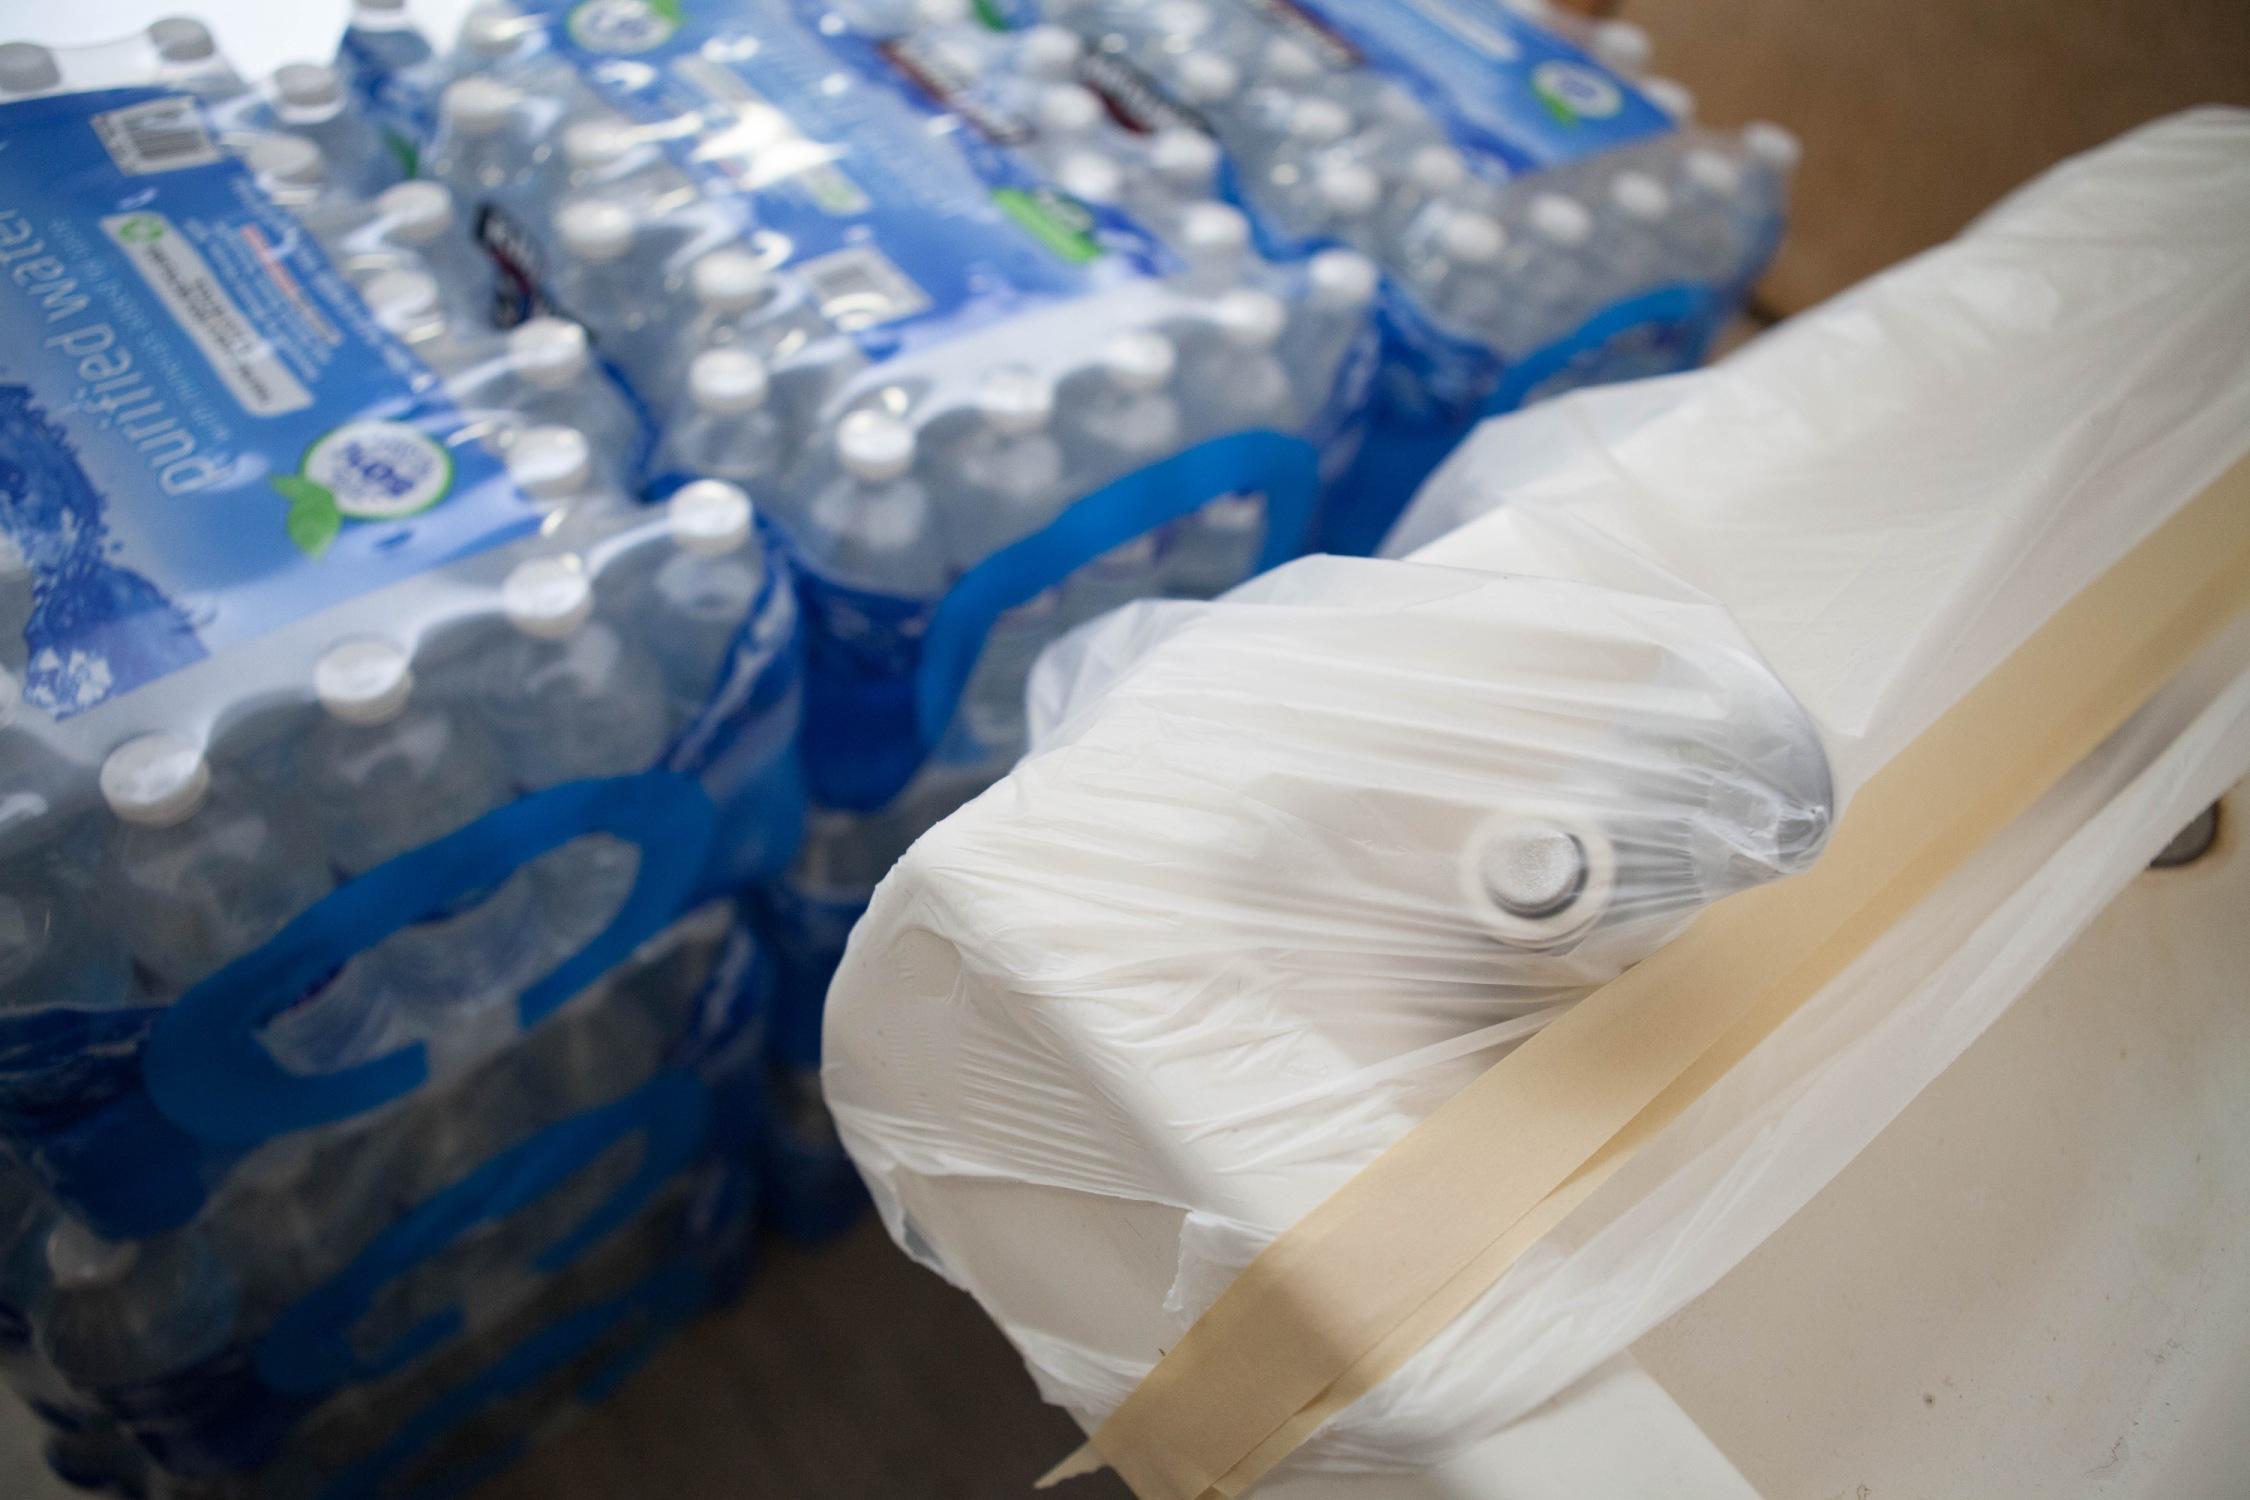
203	436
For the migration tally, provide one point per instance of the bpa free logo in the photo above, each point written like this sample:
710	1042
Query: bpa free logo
363	471
1573	92
624	26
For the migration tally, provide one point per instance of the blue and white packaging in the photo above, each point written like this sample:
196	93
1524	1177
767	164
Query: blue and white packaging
368	759
913	301
1546	215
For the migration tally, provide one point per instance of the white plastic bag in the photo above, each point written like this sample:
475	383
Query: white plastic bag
1226	934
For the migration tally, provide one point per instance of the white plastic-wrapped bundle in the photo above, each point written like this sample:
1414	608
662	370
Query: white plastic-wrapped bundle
1284	872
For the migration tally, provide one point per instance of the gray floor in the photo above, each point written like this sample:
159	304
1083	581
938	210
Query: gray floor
846	1373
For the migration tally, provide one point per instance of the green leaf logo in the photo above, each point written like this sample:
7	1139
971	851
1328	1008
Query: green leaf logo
141	229
313	519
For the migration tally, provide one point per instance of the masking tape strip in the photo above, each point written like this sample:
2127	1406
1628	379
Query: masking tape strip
1348	1294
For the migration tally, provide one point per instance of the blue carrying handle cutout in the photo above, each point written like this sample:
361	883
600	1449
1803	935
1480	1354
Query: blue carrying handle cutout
1284	468
308	1350
1687	306
665	1298
210	1074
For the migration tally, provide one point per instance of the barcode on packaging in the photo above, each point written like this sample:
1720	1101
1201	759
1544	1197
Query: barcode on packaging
162	135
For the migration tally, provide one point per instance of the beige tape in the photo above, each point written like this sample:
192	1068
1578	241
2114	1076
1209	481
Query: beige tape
1352	1291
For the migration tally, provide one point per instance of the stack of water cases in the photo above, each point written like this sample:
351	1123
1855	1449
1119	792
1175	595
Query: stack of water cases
990	363
1546	214
377	1059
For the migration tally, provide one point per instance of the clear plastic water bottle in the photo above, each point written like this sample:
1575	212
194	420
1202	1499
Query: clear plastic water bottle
410	306
610	280
554	468
293	172
1622	46
699	599
500	42
1340	286
1003	479
992	707
311	101
1715	218
122	1316
1433	174
292	1217
1217	547
740	304
1203	81
547	378
1232	379
1214	240
1627	245
28	70
1547	287
1067	115
1771	152
422	219
199	870
1047	53
387	770
383	33
1343	202
873	526
568	698
1455	274
481	150
1318	130
1183	168
188	58
1090	176
612	158
726	427
1118	414
590	1053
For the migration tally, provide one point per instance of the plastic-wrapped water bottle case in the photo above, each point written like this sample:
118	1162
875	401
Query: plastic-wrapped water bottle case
459	512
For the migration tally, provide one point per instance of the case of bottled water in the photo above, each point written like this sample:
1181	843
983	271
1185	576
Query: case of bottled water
1547	214
381	1064
990	365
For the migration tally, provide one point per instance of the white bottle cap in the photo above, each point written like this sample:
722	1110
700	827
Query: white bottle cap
941	12
363	681
1140	362
595	229
1712	172
1343	279
1639	196
1471	239
1289	61
591	145
1565	221
381	7
27	68
727	382
1675	98
551	462
1622	45
478	106
288	160
729	281
710	517
550	353
1542	11
1776	146
1068	109
1533	868
1214	231
401	300
181	39
417	212
78	1258
491	31
1251	319
1186	159
1049	52
1206	78
1437	169
874	447
307	89
155	781
1015	401
1319	122
547	598
1090	177
1348	189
